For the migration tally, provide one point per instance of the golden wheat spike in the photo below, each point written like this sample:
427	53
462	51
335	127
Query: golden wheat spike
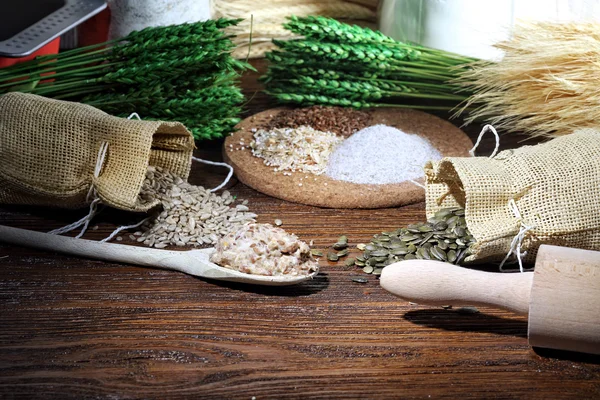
547	84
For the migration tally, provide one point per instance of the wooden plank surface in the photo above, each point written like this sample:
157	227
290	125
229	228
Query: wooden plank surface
73	328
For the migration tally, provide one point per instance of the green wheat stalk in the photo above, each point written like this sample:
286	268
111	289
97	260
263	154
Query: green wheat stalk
347	65
180	72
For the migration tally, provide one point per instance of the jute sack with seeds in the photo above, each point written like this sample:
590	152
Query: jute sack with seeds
522	198
65	154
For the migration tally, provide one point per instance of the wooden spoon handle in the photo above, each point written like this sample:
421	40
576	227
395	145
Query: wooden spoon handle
438	283
175	260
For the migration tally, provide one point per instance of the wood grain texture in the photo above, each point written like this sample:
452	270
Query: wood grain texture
323	191
73	328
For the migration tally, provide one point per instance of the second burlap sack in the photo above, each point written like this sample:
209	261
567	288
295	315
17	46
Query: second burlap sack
533	195
65	154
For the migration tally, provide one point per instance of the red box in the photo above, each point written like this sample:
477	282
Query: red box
50	48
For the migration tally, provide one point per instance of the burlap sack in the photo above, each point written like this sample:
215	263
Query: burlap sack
49	150
555	187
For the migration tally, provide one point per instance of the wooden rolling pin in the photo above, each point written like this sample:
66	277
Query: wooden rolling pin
562	296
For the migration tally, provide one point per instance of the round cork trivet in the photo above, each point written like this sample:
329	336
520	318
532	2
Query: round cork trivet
322	191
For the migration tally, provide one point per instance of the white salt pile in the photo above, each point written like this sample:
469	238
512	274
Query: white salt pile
380	154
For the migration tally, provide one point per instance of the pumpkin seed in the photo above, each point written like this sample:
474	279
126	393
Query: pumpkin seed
342	253
380	253
399	252
340	246
332	257
443	237
424	253
368	269
451	256
438	253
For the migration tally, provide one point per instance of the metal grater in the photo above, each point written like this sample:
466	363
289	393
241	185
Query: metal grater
71	14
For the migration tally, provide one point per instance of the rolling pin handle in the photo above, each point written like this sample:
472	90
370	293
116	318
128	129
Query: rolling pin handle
439	283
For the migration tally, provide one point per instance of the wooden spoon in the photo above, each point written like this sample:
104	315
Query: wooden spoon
192	262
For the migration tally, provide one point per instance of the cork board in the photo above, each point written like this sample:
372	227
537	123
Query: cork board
323	191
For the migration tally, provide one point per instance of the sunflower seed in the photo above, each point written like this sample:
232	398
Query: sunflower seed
189	213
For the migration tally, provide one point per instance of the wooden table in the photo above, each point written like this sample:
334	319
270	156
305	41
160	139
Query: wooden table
74	328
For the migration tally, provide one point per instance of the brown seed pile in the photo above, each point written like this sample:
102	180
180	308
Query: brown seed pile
191	215
339	120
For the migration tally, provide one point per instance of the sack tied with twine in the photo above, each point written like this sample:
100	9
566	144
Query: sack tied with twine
65	154
523	198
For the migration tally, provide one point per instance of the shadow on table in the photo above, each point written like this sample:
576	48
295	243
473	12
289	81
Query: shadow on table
568	355
455	320
306	288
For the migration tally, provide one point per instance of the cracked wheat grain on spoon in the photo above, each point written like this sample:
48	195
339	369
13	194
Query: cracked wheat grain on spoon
277	258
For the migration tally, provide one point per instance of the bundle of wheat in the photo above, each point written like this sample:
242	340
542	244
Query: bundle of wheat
263	20
547	84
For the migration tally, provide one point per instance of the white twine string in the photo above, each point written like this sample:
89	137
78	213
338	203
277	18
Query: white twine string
418	184
219	164
122	228
517	242
85	221
485	129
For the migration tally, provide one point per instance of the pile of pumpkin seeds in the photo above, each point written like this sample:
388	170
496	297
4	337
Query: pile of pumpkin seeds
341	247
444	237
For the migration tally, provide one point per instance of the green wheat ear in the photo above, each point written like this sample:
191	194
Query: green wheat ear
347	65
322	28
179	73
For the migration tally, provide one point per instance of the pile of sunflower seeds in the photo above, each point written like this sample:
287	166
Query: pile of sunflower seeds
444	237
190	215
